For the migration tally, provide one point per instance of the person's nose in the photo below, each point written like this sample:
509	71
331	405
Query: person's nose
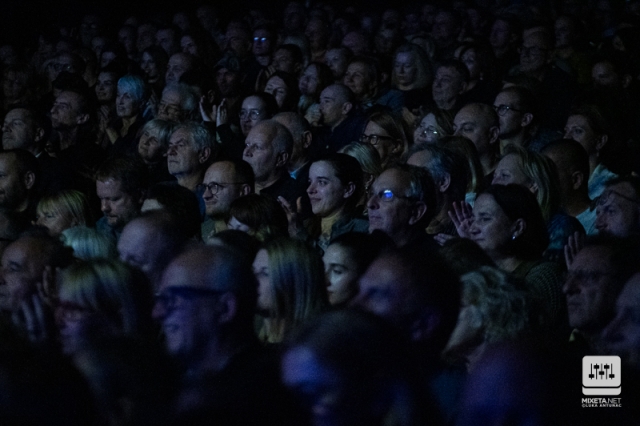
311	189
372	202
600	222
105	206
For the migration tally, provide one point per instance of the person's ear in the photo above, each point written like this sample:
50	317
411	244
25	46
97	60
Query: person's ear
418	211
533	187
350	190
494	133
527	118
577	178
518	228
204	155
29	179
227	308
445	183
346	108
282	159
602	141
307	138
39	134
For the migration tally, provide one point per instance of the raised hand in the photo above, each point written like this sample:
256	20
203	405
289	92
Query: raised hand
292	215
462	217
575	243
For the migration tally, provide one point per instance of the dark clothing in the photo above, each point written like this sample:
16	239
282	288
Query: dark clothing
158	172
330	141
414	99
285	187
484	92
54	177
248	391
126	146
422	242
231	144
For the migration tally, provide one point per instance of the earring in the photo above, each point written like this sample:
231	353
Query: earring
513	237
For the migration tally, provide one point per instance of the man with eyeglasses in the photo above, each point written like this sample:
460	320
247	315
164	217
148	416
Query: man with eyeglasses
224	182
517	114
594	280
205	305
402	202
618	208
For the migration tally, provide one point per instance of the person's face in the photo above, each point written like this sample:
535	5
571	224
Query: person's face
533	54
76	323
265	289
427	131
337	62
390	214
187	45
261	43
604	75
182	156
261	154
227	188
618	211
564	32
331	107
443	28
322	389
467	123
139	247
511	120
21	270
500	35
470	60
18	130
14	85
590	290
239	226
97	45
283	61
128	39
252	112
13	189
170	107
106	87
357	79
238	42
55	221
326	193
65	112
447	85
187	320
117	206
149	147
277	87
317	34
405	69
309	81
126	106
106	58
146	37
341	274
385	144
578	129
165	39
491	229
149	66
227	82
384	290
622	335
509	170
178	65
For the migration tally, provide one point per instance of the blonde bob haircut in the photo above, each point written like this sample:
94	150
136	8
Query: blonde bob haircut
296	275
70	203
543	178
112	289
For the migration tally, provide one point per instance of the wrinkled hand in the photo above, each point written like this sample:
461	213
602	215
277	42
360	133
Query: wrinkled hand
575	243
462	217
292	215
222	113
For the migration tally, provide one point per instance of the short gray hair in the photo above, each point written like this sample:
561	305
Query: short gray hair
199	135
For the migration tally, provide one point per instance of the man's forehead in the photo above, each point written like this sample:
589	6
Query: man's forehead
22	251
18	114
392	179
71	98
221	171
180	135
592	258
171	97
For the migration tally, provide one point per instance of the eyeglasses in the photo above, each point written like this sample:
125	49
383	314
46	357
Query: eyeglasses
168	297
428	130
373	139
387	195
214	187
532	50
502	109
253	114
260	39
169	108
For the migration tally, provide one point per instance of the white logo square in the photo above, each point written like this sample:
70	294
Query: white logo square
601	375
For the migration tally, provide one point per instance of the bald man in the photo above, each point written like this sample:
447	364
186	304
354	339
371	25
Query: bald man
479	123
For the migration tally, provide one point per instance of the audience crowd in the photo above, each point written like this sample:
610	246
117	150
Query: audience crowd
321	214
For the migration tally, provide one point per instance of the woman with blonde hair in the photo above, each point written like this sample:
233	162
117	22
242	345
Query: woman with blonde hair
538	174
386	134
495	307
291	287
412	74
101	298
63	210
369	161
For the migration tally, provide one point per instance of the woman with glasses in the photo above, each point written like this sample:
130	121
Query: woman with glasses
387	136
99	299
291	287
433	126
